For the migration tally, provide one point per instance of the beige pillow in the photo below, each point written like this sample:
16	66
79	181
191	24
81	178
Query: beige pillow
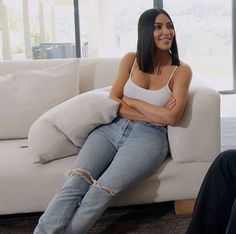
46	142
25	95
61	131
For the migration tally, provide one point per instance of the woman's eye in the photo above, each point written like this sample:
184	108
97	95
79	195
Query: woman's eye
157	26
170	26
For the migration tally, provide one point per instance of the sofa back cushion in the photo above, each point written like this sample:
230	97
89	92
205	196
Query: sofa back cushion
197	137
27	94
97	73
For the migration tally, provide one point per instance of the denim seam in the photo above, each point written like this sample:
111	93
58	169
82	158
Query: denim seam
165	144
125	127
134	127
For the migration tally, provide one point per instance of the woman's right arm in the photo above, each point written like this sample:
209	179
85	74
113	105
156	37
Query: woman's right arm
118	86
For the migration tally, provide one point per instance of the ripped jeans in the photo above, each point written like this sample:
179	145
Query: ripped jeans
114	157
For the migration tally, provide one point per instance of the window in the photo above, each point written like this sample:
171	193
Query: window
37	29
204	36
108	28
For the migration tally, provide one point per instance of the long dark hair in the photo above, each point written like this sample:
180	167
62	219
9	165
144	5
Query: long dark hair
145	46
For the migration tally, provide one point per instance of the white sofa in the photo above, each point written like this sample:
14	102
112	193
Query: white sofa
28	187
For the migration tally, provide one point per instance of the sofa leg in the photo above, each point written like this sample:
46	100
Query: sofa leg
184	207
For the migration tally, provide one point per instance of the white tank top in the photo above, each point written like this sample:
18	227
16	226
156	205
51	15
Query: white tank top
159	97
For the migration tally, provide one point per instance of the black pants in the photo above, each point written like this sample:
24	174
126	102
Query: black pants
215	208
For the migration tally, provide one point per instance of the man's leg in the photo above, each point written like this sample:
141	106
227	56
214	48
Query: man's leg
231	228
216	197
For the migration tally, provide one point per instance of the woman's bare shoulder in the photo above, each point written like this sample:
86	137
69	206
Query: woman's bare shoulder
183	74
129	57
127	61
185	68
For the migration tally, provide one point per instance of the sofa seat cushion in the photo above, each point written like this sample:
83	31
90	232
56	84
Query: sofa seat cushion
28	187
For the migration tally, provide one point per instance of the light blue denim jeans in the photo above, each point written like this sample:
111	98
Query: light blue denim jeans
114	157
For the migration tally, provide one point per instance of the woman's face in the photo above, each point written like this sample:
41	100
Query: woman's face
163	32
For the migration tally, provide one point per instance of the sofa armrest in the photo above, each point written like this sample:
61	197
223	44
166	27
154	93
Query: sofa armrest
196	138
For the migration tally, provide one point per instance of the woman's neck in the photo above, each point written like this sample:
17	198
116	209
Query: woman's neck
163	58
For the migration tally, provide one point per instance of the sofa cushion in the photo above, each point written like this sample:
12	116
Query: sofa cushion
28	187
196	138
25	95
61	131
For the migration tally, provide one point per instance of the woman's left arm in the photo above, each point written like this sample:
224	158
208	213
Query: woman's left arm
167	115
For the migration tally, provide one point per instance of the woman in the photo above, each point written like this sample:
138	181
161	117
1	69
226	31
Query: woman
152	89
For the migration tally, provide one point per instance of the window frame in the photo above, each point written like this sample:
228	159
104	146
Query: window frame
233	91
77	29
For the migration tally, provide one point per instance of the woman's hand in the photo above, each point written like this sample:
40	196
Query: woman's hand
171	103
129	112
127	100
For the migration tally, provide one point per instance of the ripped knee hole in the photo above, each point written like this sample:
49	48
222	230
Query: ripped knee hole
88	177
83	173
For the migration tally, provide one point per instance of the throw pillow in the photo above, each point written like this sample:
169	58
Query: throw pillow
25	95
61	131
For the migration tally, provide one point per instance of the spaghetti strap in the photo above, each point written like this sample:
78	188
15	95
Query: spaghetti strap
172	73
132	68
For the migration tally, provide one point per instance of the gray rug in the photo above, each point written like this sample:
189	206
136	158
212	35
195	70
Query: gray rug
158	218
150	219
146	219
